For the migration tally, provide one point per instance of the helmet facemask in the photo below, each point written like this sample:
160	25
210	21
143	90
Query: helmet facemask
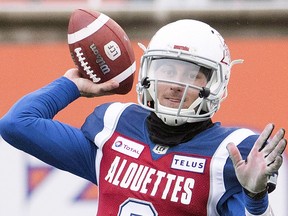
159	70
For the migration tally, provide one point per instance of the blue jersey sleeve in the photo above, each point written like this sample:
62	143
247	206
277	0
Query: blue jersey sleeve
29	126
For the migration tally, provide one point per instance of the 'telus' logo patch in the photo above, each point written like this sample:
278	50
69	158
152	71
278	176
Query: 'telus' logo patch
191	164
127	147
112	50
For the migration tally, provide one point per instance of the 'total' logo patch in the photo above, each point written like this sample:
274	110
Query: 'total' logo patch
127	147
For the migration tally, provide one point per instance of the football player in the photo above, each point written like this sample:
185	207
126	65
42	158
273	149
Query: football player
163	156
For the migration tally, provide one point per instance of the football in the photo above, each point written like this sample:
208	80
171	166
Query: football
101	49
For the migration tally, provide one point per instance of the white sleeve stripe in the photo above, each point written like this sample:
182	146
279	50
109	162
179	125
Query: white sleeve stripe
217	187
111	118
89	30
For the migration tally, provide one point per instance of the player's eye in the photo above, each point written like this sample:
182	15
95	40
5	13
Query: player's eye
191	75
166	71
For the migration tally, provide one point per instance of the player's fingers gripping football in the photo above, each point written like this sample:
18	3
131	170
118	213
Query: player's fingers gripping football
89	89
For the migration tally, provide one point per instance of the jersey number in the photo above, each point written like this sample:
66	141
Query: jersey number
134	207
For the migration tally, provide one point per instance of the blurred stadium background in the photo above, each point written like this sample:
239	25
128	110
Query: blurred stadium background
33	52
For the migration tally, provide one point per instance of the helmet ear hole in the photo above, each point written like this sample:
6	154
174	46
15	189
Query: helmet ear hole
145	82
204	93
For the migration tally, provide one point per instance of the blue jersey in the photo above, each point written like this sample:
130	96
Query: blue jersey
134	175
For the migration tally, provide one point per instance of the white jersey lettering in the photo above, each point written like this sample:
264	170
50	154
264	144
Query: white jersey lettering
139	177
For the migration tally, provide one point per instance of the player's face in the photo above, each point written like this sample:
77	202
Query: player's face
170	94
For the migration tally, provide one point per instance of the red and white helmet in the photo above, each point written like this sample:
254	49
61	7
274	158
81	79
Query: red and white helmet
190	41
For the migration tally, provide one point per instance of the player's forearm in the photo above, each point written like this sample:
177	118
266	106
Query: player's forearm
45	102
29	111
49	100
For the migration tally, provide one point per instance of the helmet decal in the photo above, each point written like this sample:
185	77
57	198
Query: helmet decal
226	55
181	47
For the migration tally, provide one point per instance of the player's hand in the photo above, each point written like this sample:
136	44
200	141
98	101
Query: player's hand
89	89
264	159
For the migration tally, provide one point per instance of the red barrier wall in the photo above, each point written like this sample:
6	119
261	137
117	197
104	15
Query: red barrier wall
257	90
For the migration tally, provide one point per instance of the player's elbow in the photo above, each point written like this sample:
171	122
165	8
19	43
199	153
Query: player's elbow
10	127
